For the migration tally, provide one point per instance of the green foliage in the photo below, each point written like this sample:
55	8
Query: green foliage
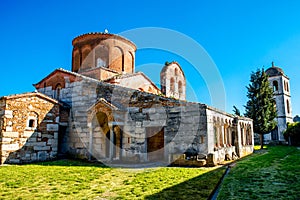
292	133
272	173
261	106
236	111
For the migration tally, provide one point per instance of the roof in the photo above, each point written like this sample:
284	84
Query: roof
129	76
101	35
30	94
173	62
67	72
274	71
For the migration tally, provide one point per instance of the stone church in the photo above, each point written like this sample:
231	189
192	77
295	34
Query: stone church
104	110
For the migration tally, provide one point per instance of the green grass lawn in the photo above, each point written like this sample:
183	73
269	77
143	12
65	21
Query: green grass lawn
67	179
273	173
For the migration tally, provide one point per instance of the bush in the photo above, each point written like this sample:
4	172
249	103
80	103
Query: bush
292	133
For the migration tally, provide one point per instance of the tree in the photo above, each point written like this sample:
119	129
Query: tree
236	111
292	133
261	106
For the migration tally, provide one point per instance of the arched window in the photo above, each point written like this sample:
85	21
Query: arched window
101	56
275	86
57	91
176	71
180	87
284	83
287	86
172	85
288	106
32	121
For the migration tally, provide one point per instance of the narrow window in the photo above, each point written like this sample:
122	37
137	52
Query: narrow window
176	71
172	85
180	87
57	91
288	106
275	86
287	86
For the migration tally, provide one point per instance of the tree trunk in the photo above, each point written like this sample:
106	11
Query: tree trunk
261	141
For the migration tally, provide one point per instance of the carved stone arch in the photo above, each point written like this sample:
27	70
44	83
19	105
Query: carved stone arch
102	137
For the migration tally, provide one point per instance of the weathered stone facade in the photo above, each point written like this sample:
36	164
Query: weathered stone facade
103	110
113	123
29	128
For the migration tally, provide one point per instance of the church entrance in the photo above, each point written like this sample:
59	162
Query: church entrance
106	138
155	144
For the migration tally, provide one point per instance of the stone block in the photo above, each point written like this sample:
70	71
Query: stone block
34	157
55	135
8	114
54	149
79	145
10	134
32	139
42	155
28	134
8	128
49	136
52	127
41	148
10	147
6	140
40	144
211	160
13	161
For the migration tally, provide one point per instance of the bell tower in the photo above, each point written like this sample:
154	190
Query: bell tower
280	83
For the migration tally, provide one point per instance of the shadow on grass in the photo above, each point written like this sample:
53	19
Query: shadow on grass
199	187
71	162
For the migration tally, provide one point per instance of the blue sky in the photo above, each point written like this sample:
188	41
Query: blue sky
239	36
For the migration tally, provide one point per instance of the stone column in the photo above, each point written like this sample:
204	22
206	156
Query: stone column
90	127
111	139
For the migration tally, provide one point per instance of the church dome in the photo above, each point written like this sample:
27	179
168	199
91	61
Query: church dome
274	71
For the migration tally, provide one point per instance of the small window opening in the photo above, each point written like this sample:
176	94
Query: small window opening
31	123
275	86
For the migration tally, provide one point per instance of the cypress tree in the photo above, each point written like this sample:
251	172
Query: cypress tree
261	106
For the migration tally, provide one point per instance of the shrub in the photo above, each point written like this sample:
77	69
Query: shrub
292	133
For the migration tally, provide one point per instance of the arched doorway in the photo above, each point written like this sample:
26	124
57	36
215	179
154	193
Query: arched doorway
274	134
106	138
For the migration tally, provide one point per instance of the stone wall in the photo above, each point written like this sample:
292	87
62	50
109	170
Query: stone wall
184	124
29	128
